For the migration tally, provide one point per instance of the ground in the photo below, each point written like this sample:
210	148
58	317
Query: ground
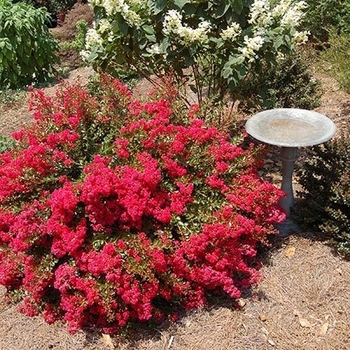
302	302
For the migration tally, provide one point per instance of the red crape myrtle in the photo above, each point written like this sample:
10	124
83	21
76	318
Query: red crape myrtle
114	210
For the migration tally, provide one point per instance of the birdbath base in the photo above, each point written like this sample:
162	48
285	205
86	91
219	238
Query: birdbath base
288	157
290	128
287	228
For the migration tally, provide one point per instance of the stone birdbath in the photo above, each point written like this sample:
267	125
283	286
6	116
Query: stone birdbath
289	128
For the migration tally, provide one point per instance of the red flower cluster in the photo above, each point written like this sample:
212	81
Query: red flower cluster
113	210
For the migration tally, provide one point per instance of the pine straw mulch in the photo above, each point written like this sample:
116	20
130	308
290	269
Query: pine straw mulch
302	302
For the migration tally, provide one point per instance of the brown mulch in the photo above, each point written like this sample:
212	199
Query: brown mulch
302	302
67	31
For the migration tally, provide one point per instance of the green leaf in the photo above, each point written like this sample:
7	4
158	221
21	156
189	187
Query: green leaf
237	6
9	55
181	3
190	9
241	72
26	59
278	42
93	56
221	10
227	70
188	61
148	29
287	39
164	45
40	61
143	43
120	58
151	38
20	50
158	6
236	60
233	66
122	25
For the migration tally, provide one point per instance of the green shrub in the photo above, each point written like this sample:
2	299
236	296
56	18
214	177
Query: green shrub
27	49
289	84
325	178
337	56
56	8
322	15
211	44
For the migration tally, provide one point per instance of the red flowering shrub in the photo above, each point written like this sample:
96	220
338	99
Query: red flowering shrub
114	210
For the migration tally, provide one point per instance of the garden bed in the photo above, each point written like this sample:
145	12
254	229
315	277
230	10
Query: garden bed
302	301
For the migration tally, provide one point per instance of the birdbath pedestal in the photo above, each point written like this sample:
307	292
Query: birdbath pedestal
289	128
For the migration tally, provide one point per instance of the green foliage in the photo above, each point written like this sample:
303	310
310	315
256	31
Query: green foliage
54	7
127	76
210	45
337	57
82	28
325	177
322	15
289	84
79	41
6	143
27	49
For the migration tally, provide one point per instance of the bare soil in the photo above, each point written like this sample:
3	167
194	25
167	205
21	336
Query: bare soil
302	302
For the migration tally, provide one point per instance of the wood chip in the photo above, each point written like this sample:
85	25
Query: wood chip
304	323
271	342
290	251
106	338
262	317
324	329
241	303
170	341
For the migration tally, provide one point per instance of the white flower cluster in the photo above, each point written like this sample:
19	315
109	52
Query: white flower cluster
266	15
94	3
104	26
92	38
232	32
123	7
301	37
290	12
287	12
172	22
260	14
172	25
251	46
154	50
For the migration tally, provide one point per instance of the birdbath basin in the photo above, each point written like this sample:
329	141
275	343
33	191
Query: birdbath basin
289	128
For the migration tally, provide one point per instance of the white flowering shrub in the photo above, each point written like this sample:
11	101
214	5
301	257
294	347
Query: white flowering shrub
220	41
